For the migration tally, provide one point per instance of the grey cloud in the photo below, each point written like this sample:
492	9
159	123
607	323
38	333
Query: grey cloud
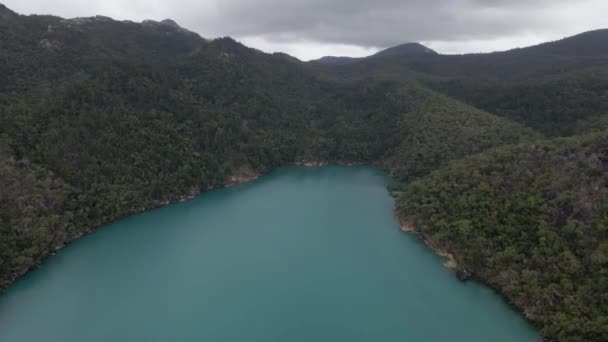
380	22
363	23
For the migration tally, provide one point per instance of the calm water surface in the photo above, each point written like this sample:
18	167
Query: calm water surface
301	255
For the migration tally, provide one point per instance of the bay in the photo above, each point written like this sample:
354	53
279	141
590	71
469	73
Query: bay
303	254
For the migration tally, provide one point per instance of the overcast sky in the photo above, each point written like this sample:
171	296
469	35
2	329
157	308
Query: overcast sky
310	29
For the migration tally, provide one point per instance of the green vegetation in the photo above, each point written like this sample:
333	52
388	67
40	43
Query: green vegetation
531	221
126	127
437	130
100	119
554	107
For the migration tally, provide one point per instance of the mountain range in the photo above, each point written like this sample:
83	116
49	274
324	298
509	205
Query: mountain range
503	157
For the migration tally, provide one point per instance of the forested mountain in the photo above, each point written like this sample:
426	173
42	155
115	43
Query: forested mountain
554	87
403	50
102	118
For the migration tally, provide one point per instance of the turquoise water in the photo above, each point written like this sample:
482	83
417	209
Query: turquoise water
304	254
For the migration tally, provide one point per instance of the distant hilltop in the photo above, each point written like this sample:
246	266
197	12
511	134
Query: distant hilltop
407	49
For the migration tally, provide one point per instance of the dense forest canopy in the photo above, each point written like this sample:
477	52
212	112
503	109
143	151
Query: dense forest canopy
504	155
532	221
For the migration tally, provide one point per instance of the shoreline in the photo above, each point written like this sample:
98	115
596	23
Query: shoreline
193	193
241	176
313	163
408	226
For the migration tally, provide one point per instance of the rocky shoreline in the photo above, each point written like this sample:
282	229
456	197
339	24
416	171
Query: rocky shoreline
236	180
191	194
408	225
309	163
241	176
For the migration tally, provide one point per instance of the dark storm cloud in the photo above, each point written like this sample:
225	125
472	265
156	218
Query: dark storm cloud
479	25
380	22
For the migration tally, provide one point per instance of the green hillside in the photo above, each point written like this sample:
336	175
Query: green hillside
129	116
532	222
100	119
436	130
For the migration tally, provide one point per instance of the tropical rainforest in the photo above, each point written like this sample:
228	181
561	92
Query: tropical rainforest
502	157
